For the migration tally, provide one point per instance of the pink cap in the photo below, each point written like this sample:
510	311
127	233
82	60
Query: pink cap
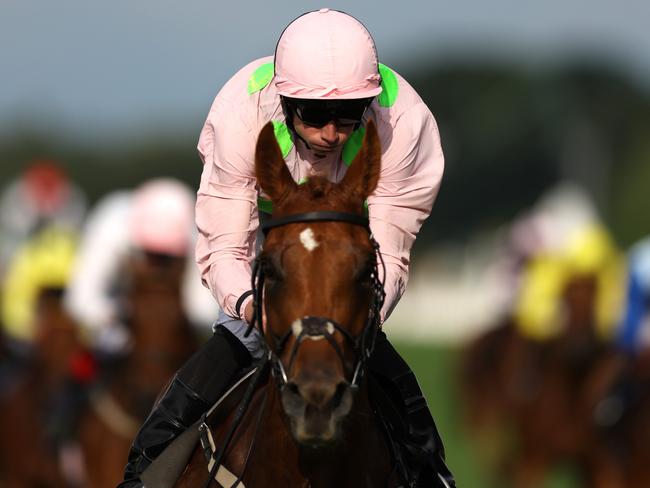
326	54
162	217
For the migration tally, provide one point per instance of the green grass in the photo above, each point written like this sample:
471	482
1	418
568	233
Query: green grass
435	368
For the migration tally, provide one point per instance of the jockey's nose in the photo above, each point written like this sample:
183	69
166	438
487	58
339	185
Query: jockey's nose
329	133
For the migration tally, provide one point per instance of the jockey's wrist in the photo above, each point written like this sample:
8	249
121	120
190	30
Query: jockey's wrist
243	303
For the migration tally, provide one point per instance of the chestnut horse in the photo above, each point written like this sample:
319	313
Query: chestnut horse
162	339
559	419
27	453
629	437
310	422
546	396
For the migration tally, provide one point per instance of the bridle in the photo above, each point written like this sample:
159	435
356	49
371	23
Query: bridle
315	326
312	326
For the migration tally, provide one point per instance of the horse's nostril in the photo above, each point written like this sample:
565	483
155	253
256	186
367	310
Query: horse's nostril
341	389
293	388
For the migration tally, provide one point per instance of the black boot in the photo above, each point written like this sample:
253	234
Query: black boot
197	386
421	450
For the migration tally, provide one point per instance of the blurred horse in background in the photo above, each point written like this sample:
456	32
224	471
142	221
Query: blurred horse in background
499	371
628	403
29	456
49	368
543	376
162	339
560	422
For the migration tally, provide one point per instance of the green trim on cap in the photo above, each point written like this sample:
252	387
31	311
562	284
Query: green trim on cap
283	136
261	77
389	85
352	146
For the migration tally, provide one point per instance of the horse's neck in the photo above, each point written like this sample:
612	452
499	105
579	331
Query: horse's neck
158	321
162	340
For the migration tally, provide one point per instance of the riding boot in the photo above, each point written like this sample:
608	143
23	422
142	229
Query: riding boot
421	450
198	385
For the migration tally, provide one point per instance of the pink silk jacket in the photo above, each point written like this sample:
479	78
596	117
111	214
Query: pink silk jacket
227	203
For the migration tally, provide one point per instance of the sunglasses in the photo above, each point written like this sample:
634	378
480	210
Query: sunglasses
318	113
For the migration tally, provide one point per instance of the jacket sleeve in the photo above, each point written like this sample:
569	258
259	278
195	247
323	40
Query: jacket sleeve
226	208
412	167
102	251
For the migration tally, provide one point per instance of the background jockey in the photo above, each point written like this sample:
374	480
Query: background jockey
41	195
588	250
319	90
156	217
43	261
634	333
45	340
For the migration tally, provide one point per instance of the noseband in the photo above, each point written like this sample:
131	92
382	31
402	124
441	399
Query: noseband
317	327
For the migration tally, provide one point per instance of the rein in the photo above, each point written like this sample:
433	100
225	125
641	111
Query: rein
313	326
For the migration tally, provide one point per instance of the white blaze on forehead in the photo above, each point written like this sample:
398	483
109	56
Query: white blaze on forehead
308	240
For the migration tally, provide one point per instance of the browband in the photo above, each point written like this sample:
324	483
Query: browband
328	215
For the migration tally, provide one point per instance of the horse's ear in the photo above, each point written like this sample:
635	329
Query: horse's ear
271	171
363	174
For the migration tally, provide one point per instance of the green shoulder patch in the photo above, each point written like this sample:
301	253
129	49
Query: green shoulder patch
283	136
389	85
261	77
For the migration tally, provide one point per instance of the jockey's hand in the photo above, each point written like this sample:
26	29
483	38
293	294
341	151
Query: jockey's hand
248	314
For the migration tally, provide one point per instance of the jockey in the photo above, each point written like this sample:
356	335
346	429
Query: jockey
43	262
42	195
40	271
634	333
156	217
319	89
588	250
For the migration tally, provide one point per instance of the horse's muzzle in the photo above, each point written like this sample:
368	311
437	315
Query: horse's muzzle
315	409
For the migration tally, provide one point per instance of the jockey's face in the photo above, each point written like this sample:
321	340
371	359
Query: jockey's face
326	124
325	139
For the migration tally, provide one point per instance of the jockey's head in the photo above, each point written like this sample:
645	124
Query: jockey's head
47	187
327	74
162	217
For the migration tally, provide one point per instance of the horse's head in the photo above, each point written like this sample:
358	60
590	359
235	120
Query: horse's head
321	292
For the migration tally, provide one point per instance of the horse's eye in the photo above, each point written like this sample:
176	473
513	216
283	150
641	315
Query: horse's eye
364	273
270	270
